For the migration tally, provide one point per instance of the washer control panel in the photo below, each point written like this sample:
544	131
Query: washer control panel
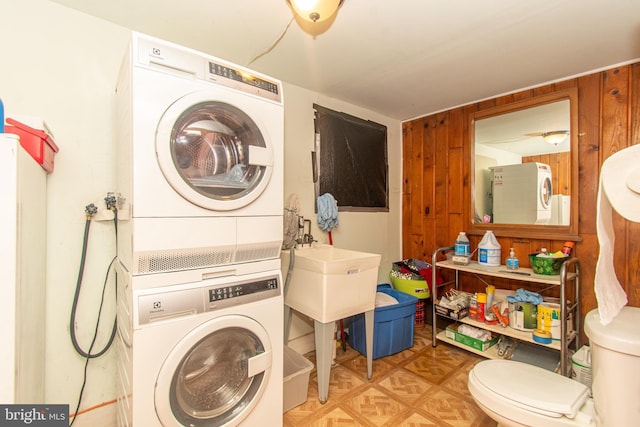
237	290
200	299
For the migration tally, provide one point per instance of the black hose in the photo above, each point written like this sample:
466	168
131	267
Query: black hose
76	297
89	356
91	210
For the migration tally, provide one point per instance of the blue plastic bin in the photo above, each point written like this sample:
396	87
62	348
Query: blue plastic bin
392	325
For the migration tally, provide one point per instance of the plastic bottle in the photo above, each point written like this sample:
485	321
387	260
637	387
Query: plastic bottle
482	303
462	245
489	250
490	291
567	248
512	261
543	252
473	307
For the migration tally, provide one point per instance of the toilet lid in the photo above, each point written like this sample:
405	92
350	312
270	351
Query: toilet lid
532	388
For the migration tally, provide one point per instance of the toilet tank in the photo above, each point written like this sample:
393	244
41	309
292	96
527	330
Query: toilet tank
615	364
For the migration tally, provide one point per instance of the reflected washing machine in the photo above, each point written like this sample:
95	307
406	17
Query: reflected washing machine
200	160
522	193
199	354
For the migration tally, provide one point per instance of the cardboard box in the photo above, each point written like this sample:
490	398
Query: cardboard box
452	314
452	333
37	142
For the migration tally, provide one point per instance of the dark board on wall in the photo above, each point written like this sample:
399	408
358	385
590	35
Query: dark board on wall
351	160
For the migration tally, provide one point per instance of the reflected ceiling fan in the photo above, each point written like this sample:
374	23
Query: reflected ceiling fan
552	137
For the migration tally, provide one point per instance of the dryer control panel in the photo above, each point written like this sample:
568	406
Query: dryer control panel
243	76
171	58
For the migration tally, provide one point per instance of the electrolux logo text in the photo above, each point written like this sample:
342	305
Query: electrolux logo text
34	415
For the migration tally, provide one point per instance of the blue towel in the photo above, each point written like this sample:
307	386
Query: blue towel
522	295
327	212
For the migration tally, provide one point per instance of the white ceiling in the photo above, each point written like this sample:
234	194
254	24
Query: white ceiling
400	58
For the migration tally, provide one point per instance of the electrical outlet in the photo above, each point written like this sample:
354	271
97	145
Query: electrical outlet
103	214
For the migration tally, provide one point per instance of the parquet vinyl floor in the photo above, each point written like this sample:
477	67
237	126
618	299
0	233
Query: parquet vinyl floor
420	386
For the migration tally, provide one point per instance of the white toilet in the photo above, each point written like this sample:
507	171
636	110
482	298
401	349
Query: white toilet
516	394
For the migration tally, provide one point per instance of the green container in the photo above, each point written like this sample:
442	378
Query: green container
549	266
417	288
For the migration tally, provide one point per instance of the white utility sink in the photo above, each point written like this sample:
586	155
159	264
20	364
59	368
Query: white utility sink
328	283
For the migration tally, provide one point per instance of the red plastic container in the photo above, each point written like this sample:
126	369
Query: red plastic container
36	142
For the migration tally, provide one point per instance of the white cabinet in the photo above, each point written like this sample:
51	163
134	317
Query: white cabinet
22	274
569	274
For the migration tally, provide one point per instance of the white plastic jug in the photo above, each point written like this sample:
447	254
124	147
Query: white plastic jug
581	366
489	250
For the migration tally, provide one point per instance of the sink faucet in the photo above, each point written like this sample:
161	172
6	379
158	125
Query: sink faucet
307	238
300	236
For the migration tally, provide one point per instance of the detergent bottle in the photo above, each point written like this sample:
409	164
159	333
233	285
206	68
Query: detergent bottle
489	250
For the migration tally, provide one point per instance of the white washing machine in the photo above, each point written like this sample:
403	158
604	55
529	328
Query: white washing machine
200	160
208	353
522	193
560	210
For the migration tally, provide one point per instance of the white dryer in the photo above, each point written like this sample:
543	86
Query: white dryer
200	160
522	193
208	353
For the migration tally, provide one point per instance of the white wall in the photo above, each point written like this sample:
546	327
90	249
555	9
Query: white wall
62	66
369	232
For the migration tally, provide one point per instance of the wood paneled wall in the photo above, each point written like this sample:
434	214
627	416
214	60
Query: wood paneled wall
437	164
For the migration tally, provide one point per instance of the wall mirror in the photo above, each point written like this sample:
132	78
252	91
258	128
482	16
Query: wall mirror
525	167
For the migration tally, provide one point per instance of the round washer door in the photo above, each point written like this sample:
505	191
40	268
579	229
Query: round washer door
213	153
215	375
546	191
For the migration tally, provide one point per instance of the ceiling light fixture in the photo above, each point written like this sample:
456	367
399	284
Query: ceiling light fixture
555	137
315	10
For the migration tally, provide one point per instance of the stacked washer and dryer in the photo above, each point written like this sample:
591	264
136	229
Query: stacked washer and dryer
522	193
200	219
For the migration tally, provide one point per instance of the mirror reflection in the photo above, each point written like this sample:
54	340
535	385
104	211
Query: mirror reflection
523	166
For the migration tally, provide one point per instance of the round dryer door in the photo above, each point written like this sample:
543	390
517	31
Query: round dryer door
546	191
215	375
213	153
